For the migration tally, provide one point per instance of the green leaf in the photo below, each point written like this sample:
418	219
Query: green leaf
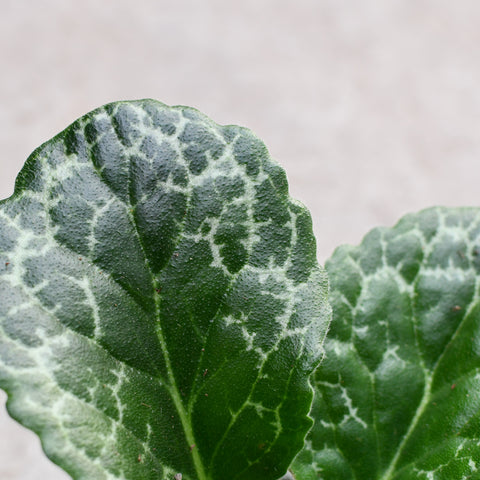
398	395
161	307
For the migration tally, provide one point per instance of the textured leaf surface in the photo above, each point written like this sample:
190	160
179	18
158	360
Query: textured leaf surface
398	394
161	307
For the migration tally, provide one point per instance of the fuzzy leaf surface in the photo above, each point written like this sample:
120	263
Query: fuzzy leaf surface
398	394
161	307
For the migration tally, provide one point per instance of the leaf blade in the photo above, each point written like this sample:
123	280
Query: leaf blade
396	394
150	288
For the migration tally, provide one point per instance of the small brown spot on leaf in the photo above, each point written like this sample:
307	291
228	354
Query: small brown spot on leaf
456	308
192	447
453	386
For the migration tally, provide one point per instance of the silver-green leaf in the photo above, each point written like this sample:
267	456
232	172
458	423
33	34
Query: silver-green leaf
161	307
398	395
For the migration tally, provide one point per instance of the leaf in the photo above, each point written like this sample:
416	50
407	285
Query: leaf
161	306
398	394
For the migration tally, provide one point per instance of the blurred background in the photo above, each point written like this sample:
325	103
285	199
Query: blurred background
372	107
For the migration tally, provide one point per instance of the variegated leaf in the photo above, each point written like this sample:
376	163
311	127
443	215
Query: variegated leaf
398	395
161	307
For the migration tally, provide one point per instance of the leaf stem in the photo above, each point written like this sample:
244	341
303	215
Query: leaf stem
177	400
425	399
187	427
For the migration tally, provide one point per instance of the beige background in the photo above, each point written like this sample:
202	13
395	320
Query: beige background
372	106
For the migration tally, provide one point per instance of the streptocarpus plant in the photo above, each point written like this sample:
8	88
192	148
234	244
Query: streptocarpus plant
161	311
